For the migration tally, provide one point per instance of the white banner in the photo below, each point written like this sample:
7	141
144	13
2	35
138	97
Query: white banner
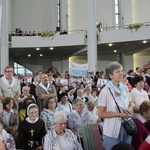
78	69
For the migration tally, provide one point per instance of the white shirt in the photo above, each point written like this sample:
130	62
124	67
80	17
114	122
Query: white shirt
137	97
5	113
111	126
64	82
67	107
101	82
95	99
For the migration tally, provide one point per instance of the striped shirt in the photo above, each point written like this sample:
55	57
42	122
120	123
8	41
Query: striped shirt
111	126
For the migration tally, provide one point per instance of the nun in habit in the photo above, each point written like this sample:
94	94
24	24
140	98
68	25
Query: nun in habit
31	130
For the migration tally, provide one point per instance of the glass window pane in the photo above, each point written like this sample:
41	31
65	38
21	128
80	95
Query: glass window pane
116	9
58	17
18	69
116	2
116	19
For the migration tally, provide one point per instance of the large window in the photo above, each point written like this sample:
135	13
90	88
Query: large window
18	69
117	14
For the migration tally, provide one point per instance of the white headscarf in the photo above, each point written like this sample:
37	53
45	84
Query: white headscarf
28	119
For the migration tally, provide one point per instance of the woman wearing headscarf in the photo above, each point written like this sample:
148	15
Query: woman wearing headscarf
31	130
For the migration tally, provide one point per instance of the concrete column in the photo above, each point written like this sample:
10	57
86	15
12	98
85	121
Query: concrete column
4	35
91	36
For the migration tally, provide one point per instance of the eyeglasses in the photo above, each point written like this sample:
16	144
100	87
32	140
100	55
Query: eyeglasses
9	71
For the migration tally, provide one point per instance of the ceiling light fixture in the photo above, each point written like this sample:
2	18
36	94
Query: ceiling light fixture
29	55
51	48
37	48
115	51
41	55
110	44
144	42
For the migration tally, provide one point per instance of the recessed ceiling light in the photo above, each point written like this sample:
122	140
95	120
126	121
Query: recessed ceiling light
51	48
115	51
110	44
41	55
144	42
29	55
37	48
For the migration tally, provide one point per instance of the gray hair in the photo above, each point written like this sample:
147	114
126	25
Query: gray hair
76	101
60	116
111	67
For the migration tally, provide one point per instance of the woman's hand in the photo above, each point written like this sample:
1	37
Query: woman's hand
124	115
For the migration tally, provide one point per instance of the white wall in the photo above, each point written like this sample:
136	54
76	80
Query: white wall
77	15
128	62
38	15
105	12
141	11
140	60
41	15
10	16
126	11
64	14
58	65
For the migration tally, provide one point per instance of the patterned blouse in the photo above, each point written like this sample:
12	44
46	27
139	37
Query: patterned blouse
48	117
68	141
75	120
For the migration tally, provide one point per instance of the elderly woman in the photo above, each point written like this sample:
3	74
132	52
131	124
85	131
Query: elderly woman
47	115
137	94
79	116
10	117
140	119
115	90
61	138
31	130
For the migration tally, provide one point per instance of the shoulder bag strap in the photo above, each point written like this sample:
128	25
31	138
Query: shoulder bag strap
114	100
116	103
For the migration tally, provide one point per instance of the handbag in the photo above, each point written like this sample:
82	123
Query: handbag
128	124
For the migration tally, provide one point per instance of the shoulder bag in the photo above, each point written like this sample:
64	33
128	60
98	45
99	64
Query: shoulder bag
128	124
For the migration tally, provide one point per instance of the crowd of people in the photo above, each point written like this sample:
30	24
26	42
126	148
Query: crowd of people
46	110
